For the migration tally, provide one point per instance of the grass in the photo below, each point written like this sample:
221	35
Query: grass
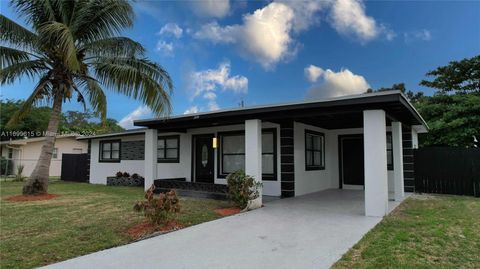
426	231
84	219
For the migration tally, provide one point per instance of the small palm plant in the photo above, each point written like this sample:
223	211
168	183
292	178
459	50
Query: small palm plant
73	49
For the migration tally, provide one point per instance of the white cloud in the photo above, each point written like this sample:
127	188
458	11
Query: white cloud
171	28
422	35
140	112
211	8
305	12
165	48
208	82
313	72
348	17
192	110
263	36
340	83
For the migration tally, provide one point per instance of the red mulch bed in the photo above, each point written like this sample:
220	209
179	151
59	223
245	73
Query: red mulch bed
146	228
228	211
28	198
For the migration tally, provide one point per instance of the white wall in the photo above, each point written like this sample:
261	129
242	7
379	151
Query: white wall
28	154
314	180
100	171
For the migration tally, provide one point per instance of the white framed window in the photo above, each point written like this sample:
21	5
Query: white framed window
314	150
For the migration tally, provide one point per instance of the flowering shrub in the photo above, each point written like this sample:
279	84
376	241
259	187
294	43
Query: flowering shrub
242	188
159	209
119	174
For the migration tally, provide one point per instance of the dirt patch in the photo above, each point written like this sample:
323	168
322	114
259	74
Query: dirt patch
146	228
228	211
28	198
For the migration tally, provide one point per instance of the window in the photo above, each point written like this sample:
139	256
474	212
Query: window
10	153
168	149
389	152
55	153
232	153
110	151
314	150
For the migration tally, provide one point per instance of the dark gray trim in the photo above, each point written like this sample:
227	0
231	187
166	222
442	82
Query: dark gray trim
287	166
314	167
169	160
100	151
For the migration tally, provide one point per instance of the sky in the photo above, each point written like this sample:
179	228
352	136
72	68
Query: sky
221	53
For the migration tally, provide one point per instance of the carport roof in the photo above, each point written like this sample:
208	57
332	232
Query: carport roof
332	113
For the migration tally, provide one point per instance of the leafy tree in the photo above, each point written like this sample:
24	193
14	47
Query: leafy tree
73	49
459	76
412	96
36	121
453	119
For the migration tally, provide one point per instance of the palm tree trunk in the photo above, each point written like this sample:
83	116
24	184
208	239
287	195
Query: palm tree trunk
37	183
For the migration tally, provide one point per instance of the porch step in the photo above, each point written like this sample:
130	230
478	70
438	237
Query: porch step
192	189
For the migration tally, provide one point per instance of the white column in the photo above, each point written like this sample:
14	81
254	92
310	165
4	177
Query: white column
397	145
414	139
253	155
151	139
375	151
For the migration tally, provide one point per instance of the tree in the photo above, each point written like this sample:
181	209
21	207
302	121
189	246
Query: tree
454	120
412	96
74	49
459	76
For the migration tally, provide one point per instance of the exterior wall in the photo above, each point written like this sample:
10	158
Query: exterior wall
99	171
316	180
28	154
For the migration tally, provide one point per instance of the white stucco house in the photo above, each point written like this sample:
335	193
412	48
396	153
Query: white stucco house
360	142
27	151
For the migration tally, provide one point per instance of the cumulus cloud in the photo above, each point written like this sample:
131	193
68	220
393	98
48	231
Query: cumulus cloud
165	48
267	35
334	84
207	83
140	112
171	29
192	110
348	17
211	8
313	72
422	35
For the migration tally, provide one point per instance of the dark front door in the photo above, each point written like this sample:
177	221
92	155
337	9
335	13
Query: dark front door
351	160
203	154
74	167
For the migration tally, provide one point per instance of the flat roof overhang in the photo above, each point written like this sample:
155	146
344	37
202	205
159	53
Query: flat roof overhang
336	113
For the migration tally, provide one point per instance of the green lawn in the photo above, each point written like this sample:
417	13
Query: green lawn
426	231
84	219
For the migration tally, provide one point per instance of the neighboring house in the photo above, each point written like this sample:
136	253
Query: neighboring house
27	151
354	142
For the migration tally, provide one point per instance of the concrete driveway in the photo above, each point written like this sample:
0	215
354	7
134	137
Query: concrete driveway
311	231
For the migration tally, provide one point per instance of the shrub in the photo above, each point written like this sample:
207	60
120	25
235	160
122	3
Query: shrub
159	209
119	174
125	174
135	176
19	175
242	188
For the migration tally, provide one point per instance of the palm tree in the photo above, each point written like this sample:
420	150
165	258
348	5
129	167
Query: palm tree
74	50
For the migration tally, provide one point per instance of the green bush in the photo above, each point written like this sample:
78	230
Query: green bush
159	209
6	166
19	175
242	188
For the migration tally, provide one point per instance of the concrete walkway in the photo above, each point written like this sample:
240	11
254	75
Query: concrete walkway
311	231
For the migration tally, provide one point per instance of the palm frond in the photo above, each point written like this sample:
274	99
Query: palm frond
9	56
40	92
59	34
101	19
97	99
35	12
16	35
140	79
113	47
31	69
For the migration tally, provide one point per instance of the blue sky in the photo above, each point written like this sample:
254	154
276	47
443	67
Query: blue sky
222	52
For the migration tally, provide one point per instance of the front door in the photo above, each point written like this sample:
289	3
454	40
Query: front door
351	160
203	158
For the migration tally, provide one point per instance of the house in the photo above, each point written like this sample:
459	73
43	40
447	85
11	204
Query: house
27	151
361	142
